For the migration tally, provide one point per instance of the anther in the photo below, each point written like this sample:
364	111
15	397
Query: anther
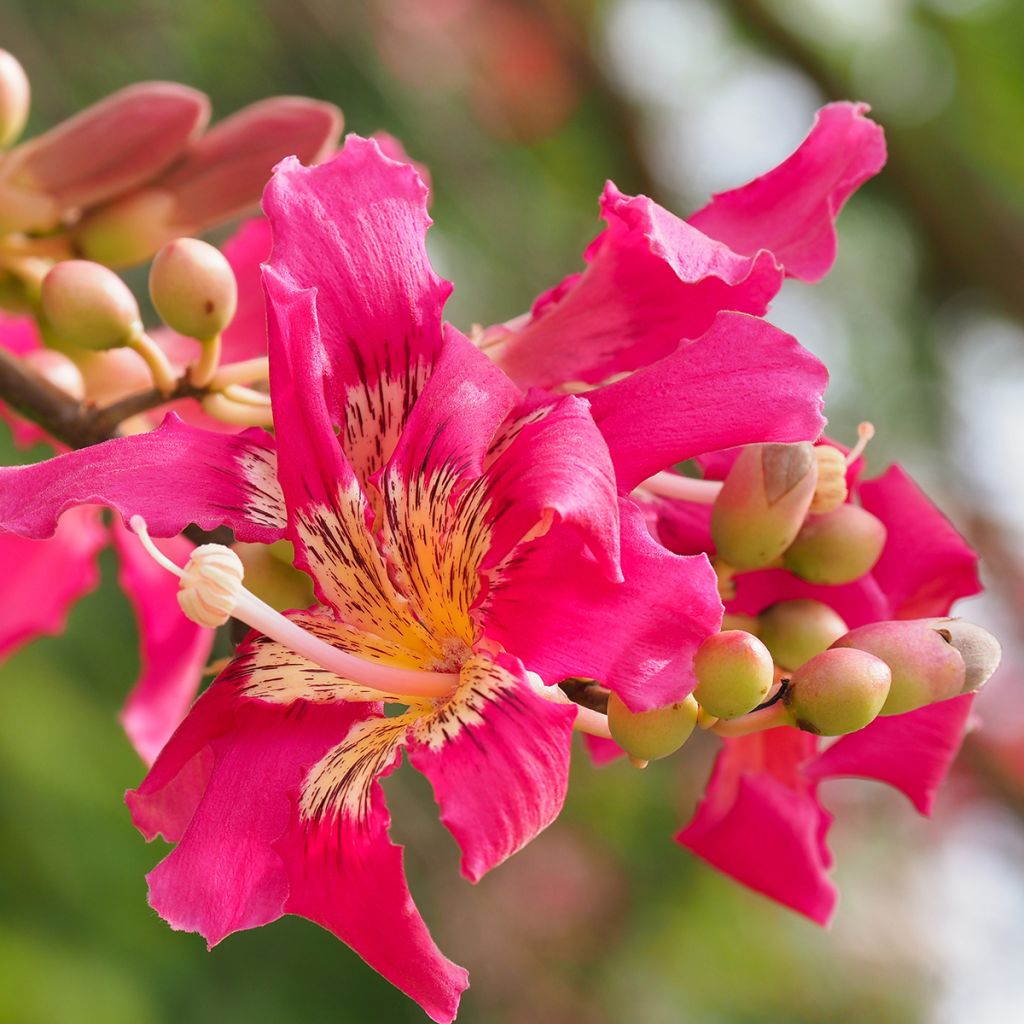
211	585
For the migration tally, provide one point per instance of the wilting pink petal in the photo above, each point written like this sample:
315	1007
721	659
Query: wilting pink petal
173	476
911	752
225	171
791	210
114	145
42	579
637	637
500	769
761	823
173	649
925	565
602	751
743	381
652	281
245	250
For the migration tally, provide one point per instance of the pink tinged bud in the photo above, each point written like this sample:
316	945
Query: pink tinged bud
89	306
59	370
979	649
270	575
650	735
734	673
925	667
221	176
831	490
193	288
836	548
838	692
763	503
115	145
15	96
795	631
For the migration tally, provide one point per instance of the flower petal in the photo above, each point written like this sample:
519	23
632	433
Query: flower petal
791	210
173	649
761	823
911	752
637	637
743	381
925	565
497	755
44	578
652	280
346	874
173	476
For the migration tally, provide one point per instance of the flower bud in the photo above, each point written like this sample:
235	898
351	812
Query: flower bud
734	673
795	631
87	305
831	490
128	230
15	95
193	288
838	691
925	667
59	370
836	548
979	649
762	504
270	575
649	735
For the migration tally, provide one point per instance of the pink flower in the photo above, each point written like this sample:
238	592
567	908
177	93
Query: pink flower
459	532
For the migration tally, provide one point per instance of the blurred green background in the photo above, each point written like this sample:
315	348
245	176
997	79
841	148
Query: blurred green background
521	109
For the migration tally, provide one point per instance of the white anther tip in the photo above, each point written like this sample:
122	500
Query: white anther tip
138	525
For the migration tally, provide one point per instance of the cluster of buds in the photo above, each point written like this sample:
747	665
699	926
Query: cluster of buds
127	179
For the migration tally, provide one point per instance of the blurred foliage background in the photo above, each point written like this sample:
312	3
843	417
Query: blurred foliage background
521	109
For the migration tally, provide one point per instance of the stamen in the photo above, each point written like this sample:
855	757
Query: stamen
865	431
248	371
229	411
592	722
208	578
683	488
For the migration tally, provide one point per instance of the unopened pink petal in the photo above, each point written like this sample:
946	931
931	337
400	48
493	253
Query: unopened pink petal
498	761
791	210
652	281
637	637
743	381
925	565
42	579
760	822
173	476
173	650
911	752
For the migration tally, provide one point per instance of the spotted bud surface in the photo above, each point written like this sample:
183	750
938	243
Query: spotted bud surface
734	673
15	96
193	288
836	548
762	504
831	490
270	575
210	585
649	735
795	631
925	667
978	648
89	306
59	370
838	691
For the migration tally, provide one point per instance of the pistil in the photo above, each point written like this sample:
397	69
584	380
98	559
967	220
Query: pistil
682	488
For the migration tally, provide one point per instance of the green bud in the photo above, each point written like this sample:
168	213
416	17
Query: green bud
762	504
270	575
649	735
838	691
127	230
734	673
925	667
193	288
89	306
979	649
795	631
15	95
59	370
836	548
